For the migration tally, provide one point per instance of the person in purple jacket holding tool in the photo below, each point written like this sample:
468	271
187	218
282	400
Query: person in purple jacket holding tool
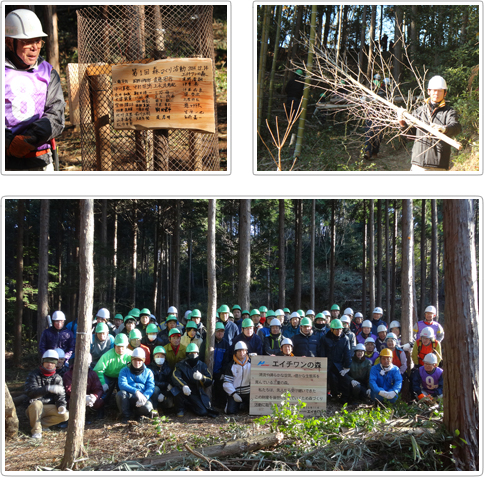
34	102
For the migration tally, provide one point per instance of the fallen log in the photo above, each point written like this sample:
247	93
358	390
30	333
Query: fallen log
238	446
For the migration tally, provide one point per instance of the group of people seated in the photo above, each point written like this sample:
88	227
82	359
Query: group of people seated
151	367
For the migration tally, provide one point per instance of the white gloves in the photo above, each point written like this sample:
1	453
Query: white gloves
382	372
197	375
406	347
236	397
383	394
141	399
391	394
161	397
252	354
344	371
61	409
354	383
438	127
90	400
186	390
105	387
169	387
55	388
368	392
400	115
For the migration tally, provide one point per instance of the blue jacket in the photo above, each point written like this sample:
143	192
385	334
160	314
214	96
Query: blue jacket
306	345
390	381
254	344
129	382
220	355
336	349
376	324
52	338
289	331
231	331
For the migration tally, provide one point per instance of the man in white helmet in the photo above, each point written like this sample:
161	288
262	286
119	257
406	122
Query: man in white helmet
430	153
34	102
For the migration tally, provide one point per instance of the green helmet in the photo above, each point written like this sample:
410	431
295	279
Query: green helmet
191	324
192	348
263	309
255	311
245	312
129	317
236	307
118	316
286	310
135	334
335	307
299	72
224	309
101	328
271	313
301	313
195	314
319	315
171	318
145	311
121	340
306	322
219	326
151	328
159	349
134	312
174	331
336	324
247	323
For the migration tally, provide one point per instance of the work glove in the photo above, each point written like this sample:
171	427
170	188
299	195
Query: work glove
252	354
391	394
344	371
20	146
368	392
197	375
439	127
186	390
141	399
169	387
55	388
61	410
383	394
400	115
89	401
407	347
105	387
161	397
354	383
236	397
382	372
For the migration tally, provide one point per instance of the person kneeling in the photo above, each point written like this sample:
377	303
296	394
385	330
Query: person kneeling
385	378
237	379
428	380
136	384
162	374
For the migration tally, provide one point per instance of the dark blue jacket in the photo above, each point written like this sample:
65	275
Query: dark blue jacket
221	355
162	375
254	344
306	345
52	338
231	330
376	324
289	331
336	349
272	344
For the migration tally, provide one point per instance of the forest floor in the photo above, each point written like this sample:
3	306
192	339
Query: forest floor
355	437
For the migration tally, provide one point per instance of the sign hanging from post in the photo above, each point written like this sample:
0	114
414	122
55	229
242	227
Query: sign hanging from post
272	376
175	93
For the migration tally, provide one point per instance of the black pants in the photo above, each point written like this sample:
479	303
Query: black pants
193	402
127	405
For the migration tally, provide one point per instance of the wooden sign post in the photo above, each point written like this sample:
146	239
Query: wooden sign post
272	376
175	93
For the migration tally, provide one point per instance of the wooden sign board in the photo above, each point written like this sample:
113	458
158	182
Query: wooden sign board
272	376
175	93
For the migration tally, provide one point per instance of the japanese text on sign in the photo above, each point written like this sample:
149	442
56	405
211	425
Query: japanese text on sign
164	94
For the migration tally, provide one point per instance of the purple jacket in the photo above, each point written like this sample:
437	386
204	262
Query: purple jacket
52	338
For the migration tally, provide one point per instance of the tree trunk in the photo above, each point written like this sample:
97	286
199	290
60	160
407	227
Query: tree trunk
19	285
156	262
282	263
262	64
11	419
434	264
77	404
414	31
115	254
244	254
52	40
274	60
406	320
387	260
363	274
339	23
397	60
189	270
134	260
362	52
43	298
372	42
311	258
423	263
394	258
176	257
371	258
327	25
379	254
461	344
298	252
104	241
332	257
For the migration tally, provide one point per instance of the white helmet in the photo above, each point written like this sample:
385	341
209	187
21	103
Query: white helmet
240	345
286	341
437	82
359	347
349	311
138	353
381	328
188	312
345	319
103	313
386	81
378	310
431	309
58	315
275	322
295	314
430	358
23	24
369	340
310	312
172	310
50	353
394	324
377	76
279	312
326	313
427	332
358	315
391	336
366	324
60	353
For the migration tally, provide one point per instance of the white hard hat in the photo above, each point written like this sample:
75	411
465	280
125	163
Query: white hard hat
430	358
345	319
240	345
427	332
377	76
366	324
172	310
326	313
358	315
437	82
394	324
275	322
378	310
286	341
60	353
431	309
392	336
386	80
103	313
348	311
295	314
188	312
58	315
50	353
310	312
381	328
279	312
23	24
369	340
138	353
360	347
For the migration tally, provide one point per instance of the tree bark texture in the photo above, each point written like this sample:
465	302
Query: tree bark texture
11	419
115	255
134	252
363	274
244	253
379	254
104	241
423	262
332	259
52	40
406	320
42	298
394	258
434	259
282	262
19	286
371	255
311	258
298	258
387	260
176	257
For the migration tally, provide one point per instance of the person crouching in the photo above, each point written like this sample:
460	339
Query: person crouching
237	379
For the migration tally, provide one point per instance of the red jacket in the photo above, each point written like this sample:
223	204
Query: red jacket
94	386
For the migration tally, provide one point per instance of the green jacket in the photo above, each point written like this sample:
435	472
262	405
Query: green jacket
111	363
360	371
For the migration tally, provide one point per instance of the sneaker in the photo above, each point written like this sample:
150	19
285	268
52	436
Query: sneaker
46	429
37	435
180	413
